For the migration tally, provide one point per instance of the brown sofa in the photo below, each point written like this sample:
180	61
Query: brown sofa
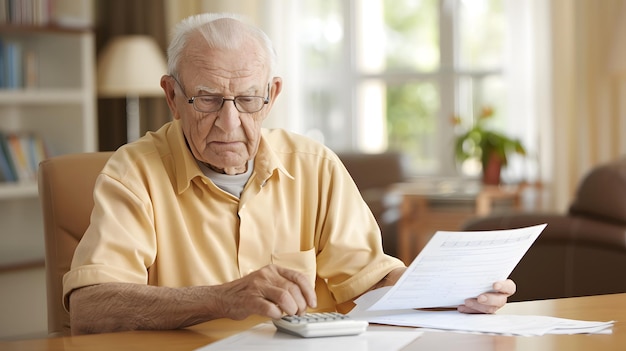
581	252
374	174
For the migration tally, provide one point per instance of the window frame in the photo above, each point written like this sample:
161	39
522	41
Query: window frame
346	79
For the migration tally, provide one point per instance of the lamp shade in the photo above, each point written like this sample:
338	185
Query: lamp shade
131	65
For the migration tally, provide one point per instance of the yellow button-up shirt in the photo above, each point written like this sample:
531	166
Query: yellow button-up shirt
159	220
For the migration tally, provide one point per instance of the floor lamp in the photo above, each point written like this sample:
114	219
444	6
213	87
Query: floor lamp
131	66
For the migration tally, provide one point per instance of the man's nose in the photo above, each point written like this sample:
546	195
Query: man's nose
228	116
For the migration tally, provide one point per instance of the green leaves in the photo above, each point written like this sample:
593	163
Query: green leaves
481	143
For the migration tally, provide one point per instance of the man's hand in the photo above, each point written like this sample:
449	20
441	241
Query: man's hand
490	302
270	291
109	307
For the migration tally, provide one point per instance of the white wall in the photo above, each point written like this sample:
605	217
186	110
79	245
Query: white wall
23	304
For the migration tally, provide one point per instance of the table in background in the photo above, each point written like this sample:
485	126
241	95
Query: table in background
429	206
596	308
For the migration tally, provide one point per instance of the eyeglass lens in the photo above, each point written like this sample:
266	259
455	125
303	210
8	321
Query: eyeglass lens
209	103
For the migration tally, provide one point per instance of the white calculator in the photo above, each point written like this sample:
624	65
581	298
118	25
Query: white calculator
312	325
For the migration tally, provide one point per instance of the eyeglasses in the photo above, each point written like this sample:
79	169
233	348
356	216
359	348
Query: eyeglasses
214	103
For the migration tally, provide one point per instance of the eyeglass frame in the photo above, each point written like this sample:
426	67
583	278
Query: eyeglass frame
191	99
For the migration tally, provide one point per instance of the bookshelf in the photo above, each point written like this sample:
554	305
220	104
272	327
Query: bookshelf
56	101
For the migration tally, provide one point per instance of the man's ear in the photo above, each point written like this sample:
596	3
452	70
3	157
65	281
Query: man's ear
169	87
276	86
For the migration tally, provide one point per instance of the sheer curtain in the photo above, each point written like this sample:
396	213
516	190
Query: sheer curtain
528	82
585	125
562	80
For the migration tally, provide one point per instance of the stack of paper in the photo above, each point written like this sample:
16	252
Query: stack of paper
521	325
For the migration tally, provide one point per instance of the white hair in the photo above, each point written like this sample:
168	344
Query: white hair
219	35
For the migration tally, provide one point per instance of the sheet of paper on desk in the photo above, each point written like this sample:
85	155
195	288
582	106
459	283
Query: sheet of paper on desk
520	325
265	337
454	266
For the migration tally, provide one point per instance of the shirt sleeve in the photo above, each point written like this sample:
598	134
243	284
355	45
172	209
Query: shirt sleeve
119	244
351	256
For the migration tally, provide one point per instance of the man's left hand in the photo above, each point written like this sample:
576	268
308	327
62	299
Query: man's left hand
490	302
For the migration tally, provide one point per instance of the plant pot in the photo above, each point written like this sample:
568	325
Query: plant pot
491	170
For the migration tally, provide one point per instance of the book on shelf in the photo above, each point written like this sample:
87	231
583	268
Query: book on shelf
7	170
20	155
18	65
26	12
62	13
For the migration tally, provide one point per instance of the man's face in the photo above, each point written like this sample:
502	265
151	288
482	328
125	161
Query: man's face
225	139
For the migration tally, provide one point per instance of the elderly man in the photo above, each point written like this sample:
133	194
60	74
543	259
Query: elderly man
213	216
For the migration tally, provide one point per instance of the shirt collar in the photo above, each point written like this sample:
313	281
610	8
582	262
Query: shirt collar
266	161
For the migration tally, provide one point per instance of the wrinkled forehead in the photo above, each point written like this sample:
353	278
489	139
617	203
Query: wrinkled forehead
239	58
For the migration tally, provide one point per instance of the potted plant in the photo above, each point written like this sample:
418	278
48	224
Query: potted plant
488	146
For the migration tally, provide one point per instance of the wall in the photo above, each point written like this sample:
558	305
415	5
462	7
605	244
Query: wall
23	304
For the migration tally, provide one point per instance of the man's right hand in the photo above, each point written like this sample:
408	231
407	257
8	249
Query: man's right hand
271	291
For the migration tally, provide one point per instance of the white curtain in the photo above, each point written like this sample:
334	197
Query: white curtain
586	126
527	82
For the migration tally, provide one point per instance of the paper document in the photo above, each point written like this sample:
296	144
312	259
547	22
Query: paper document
521	325
458	265
265	337
454	266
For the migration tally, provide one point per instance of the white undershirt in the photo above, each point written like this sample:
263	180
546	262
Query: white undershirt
232	184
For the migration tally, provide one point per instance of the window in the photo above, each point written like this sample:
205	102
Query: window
391	74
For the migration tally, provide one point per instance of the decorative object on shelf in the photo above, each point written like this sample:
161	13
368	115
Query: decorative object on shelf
131	66
488	146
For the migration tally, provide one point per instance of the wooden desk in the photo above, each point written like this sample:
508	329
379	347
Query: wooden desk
599	308
426	209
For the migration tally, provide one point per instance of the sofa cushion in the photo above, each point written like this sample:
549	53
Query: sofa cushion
602	193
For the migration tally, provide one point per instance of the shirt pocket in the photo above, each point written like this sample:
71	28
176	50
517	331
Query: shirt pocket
301	261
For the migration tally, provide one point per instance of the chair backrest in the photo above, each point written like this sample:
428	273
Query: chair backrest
66	193
376	170
601	195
